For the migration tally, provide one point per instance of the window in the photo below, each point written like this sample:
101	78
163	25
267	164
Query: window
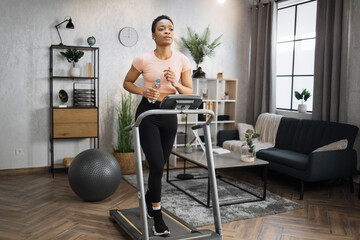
295	52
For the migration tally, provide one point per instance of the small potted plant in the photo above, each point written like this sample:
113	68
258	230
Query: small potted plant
200	46
303	96
248	153
188	147
124	151
73	56
226	95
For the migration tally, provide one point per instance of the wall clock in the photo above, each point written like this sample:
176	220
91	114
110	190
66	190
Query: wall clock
128	36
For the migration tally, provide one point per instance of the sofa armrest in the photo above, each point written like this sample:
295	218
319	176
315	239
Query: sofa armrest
224	135
331	164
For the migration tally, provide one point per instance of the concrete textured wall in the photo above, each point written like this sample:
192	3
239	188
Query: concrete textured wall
27	30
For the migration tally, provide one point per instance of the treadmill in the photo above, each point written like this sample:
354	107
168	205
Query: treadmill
134	221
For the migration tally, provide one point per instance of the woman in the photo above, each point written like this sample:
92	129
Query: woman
157	132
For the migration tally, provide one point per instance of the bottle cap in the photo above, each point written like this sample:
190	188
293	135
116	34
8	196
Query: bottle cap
158	80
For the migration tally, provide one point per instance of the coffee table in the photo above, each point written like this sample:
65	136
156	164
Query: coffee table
221	161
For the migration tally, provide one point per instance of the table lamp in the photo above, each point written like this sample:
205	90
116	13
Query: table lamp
68	25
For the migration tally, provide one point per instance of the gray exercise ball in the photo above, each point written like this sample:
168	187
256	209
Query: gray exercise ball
94	174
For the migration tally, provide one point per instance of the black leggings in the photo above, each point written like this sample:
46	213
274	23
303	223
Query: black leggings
157	135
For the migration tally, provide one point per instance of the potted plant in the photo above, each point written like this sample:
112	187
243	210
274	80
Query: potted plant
200	46
248	153
226	95
124	151
73	56
303	96
188	146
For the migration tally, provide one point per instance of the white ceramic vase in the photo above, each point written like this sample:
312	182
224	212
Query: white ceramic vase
74	72
302	108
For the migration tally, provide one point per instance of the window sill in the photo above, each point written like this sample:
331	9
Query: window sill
294	114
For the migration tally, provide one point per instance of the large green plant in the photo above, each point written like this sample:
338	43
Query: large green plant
303	96
125	118
199	45
72	55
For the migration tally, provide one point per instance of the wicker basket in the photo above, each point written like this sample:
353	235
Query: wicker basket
127	162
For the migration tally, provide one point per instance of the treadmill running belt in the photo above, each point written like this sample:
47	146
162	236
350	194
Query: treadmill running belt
129	219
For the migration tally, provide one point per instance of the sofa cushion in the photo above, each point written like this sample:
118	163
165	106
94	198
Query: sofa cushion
305	135
338	145
285	157
242	128
224	135
286	132
235	145
312	134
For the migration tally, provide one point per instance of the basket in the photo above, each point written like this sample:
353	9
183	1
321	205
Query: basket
127	162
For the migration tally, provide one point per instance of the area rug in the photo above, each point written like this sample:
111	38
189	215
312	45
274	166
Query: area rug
198	215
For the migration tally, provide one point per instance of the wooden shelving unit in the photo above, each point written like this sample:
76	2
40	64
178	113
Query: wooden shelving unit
73	121
212	91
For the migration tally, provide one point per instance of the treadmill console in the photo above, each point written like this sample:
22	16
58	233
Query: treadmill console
181	101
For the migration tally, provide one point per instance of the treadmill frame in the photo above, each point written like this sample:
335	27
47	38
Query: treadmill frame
209	155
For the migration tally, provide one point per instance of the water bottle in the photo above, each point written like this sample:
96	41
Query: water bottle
156	85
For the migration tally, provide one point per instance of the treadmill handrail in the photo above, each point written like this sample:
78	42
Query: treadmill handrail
209	157
175	111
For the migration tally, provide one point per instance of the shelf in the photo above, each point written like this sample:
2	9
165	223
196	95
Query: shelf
60	166
215	79
200	122
183	123
74	47
226	101
76	107
69	77
74	122
212	122
227	121
214	89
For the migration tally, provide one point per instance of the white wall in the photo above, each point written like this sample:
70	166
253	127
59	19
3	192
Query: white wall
27	31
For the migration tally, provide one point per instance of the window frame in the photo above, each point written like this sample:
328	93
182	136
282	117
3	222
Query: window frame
294	40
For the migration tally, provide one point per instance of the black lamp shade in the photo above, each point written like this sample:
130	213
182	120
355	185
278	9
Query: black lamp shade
70	24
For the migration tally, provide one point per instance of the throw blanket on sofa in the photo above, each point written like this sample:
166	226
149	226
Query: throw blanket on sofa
266	125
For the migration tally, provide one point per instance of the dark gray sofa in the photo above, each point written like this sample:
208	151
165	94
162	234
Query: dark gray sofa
293	155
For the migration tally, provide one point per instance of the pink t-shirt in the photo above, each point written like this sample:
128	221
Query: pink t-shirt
152	68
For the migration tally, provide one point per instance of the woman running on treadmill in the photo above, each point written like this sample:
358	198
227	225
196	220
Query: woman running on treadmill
157	132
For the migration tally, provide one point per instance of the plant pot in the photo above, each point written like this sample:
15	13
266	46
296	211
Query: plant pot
188	149
302	108
198	73
74	72
126	161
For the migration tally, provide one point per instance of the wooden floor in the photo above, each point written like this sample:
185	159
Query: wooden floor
36	206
